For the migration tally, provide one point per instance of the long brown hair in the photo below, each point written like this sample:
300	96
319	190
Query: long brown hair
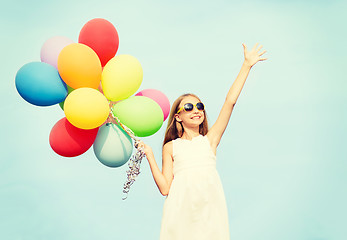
174	128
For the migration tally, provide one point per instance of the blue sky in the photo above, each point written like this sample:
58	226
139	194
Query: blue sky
282	159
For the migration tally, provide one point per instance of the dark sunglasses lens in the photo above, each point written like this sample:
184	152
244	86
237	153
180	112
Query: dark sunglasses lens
188	107
200	106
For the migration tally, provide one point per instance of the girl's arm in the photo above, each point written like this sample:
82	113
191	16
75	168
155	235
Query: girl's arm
217	130
162	179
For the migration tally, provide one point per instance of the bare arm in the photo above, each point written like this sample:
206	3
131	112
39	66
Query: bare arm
251	57
163	178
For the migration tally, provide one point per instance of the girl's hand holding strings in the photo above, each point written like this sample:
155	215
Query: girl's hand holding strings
253	56
146	149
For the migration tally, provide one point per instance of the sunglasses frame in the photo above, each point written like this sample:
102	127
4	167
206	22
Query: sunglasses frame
194	105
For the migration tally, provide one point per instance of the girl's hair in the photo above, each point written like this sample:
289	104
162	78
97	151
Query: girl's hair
174	128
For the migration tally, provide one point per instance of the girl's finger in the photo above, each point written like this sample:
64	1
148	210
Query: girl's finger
244	47
262	53
140	143
260	47
262	59
255	46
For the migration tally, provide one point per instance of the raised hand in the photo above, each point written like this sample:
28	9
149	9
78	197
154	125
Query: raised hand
253	56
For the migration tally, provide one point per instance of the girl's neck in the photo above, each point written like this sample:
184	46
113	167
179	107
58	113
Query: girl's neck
189	134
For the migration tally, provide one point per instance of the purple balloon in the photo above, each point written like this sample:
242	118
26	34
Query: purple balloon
51	49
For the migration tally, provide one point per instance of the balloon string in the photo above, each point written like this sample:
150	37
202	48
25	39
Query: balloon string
135	160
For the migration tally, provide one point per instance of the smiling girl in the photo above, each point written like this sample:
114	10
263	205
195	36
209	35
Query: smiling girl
195	206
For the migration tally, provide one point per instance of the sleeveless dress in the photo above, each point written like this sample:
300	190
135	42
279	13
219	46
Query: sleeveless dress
195	207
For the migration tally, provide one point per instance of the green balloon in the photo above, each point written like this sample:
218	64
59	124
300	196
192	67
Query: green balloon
112	146
69	90
141	114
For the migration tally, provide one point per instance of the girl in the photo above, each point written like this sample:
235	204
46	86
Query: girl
195	206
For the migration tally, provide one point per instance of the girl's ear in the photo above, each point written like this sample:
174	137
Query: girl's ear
177	117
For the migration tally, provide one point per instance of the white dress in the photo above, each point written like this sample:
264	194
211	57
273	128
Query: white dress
195	207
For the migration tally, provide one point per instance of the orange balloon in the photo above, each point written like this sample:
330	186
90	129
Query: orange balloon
79	66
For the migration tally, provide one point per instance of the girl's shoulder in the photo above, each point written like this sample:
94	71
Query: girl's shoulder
168	147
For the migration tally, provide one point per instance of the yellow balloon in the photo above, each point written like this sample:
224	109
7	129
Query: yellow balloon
121	77
79	66
86	108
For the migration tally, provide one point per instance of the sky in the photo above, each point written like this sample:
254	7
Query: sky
282	159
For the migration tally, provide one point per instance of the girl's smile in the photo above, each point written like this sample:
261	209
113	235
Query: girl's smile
196	117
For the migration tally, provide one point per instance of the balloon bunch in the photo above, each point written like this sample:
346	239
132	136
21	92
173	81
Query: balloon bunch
95	89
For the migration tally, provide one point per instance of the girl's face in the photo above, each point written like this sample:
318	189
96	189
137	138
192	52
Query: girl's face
190	118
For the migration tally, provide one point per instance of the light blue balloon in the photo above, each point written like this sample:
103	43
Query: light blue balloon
113	146
40	84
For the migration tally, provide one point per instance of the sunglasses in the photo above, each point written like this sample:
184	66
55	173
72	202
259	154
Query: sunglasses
189	107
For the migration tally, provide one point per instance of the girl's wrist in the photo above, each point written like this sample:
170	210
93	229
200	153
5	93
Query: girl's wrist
247	64
149	154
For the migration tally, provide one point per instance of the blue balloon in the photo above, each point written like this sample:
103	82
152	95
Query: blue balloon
113	146
40	84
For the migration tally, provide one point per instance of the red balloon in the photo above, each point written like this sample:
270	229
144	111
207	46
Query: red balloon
101	36
70	141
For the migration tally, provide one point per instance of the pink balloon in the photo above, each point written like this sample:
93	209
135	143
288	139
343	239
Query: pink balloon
51	49
159	97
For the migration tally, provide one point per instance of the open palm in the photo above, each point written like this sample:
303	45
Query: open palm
253	56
